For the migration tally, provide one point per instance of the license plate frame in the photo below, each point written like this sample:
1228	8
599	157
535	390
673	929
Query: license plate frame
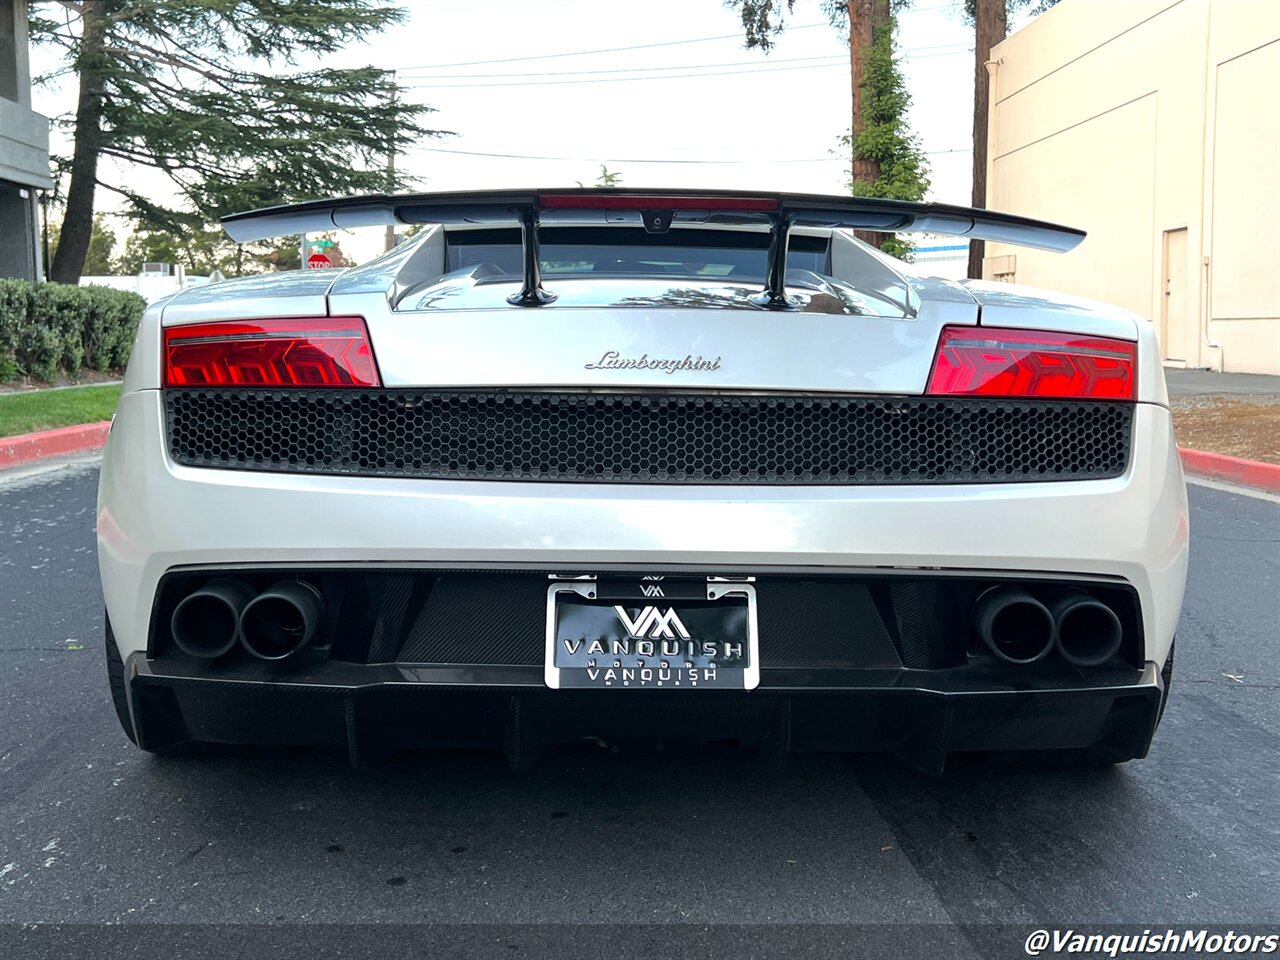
648	617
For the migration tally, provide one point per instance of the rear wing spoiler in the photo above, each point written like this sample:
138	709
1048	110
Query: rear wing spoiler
657	211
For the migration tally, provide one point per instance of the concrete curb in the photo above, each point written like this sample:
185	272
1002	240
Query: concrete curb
30	447
1219	466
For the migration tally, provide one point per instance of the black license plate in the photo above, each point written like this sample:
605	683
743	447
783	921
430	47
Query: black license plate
694	635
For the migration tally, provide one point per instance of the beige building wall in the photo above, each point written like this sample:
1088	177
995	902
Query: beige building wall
1155	126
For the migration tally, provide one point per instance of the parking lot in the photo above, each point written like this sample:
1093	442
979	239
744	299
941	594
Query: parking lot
95	831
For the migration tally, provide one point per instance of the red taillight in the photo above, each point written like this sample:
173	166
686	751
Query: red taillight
643	201
299	352
1031	363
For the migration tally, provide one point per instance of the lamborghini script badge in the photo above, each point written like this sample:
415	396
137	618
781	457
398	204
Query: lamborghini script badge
611	360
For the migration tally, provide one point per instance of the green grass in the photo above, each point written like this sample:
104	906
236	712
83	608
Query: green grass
44	409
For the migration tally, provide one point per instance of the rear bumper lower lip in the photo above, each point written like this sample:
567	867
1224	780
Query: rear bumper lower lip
919	715
343	678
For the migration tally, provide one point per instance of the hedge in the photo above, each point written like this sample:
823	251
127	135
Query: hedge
47	328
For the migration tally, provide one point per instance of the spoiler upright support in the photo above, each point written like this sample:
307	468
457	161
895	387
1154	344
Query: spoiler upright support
531	293
774	296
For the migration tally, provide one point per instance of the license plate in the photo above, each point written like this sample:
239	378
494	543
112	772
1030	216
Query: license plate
655	633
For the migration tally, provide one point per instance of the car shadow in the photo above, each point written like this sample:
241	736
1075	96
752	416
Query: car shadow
687	832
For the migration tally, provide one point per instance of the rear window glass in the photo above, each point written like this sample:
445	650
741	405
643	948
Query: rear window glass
619	251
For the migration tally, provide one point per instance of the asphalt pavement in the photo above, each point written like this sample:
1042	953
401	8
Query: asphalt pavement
643	852
1195	383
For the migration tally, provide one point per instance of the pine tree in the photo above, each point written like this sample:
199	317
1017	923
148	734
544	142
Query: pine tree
764	20
204	92
100	258
863	21
885	140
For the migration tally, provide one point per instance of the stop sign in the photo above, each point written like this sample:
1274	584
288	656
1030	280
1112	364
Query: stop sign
318	261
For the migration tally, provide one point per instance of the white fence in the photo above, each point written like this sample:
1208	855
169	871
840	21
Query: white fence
150	286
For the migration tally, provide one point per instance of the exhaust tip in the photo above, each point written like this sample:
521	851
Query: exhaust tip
1014	625
281	620
206	623
1089	632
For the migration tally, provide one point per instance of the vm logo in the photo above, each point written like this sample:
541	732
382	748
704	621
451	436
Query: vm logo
651	590
652	624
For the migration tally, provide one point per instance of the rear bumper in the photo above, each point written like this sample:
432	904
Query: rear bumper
920	715
155	517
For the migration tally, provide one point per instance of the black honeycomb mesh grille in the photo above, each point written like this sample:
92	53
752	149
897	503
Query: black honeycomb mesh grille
648	438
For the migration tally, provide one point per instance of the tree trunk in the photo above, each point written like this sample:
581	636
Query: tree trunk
77	222
861	33
990	22
864	17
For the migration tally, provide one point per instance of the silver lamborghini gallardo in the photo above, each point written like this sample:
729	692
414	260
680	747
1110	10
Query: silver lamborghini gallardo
609	463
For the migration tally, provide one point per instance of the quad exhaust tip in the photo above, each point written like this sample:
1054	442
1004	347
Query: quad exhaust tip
207	623
1018	628
1014	625
281	620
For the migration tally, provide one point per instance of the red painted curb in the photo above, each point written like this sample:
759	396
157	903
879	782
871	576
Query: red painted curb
1218	466
30	447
